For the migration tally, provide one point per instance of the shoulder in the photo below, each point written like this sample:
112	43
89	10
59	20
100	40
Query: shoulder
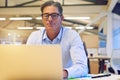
71	35
70	32
35	37
38	32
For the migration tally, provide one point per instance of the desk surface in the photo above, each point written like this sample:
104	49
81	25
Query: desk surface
112	77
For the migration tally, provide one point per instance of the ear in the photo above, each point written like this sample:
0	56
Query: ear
42	20
62	17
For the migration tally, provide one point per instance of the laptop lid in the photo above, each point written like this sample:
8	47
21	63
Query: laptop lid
30	62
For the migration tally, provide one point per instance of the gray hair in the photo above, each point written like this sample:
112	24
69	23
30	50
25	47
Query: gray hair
52	3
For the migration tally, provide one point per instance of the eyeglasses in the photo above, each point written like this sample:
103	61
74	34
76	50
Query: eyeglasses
53	15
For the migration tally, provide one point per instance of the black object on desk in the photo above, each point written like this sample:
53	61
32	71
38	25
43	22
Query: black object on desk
102	63
101	75
112	70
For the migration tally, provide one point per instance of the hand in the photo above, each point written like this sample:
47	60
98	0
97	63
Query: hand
65	74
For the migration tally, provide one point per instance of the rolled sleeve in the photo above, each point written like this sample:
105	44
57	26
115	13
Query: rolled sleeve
79	59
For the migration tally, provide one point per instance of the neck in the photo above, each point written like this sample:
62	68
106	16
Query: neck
52	34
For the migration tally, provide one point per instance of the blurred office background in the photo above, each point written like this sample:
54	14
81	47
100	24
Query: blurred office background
92	19
85	16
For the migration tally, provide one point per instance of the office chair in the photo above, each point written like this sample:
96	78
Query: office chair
115	63
88	62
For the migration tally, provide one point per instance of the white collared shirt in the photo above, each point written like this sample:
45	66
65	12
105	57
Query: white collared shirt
73	54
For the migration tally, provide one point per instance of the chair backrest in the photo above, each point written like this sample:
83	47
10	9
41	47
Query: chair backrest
115	62
88	62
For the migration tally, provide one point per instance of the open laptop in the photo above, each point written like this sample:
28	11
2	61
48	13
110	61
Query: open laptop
30	62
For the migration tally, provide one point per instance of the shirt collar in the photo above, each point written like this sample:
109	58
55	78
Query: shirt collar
58	37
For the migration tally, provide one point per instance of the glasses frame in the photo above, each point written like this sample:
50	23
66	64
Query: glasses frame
53	15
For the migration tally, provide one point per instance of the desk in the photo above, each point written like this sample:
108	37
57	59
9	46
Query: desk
112	77
101	61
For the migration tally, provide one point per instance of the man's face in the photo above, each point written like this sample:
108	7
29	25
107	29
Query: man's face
51	18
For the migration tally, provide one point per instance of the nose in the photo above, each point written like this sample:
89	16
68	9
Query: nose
49	18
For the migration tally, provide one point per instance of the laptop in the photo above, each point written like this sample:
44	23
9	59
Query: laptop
30	62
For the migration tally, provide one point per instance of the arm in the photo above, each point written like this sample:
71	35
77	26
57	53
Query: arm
78	56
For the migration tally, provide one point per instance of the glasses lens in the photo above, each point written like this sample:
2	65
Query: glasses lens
45	16
54	15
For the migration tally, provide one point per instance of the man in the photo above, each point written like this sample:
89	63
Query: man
73	54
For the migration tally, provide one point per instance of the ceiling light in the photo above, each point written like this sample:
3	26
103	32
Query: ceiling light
2	19
40	27
89	27
39	18
21	18
68	27
9	34
77	17
25	28
83	27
